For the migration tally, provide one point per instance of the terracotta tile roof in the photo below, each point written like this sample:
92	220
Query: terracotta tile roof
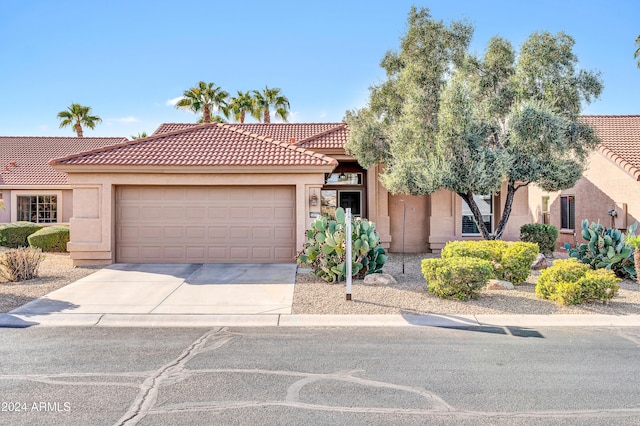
24	159
201	145
306	135
619	139
172	127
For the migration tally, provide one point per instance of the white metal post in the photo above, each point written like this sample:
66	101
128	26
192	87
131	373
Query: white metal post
348	254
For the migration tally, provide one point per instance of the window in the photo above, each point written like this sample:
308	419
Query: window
344	178
568	212
331	199
37	208
485	204
545	210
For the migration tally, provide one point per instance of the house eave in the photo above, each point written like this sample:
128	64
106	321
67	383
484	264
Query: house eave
295	169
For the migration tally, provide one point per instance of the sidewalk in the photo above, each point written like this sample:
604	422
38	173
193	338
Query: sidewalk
287	320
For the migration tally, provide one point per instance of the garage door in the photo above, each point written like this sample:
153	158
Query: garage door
202	224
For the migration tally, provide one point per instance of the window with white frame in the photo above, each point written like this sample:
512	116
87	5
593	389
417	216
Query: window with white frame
485	204
545	210
568	212
36	208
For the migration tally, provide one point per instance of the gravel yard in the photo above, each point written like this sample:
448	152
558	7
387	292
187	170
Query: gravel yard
313	296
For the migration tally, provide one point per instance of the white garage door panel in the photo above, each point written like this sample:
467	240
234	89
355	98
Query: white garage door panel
205	224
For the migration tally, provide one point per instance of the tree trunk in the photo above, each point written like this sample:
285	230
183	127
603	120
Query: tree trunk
242	117
636	261
78	129
468	197
206	114
506	211
267	115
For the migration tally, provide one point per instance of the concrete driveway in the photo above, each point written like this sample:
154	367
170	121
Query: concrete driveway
174	289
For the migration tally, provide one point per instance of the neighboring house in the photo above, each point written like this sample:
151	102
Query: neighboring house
608	192
245	193
30	189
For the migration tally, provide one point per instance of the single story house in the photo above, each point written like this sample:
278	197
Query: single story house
245	193
30	189
608	192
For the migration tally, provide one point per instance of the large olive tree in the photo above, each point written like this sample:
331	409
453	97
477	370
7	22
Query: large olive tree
445	118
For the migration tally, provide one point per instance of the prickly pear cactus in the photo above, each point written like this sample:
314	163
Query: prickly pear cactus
605	248
325	248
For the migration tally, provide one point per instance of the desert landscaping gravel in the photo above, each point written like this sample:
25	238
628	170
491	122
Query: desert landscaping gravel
314	296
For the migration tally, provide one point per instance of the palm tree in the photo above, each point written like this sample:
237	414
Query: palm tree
205	98
213	119
240	105
270	98
139	136
77	115
637	54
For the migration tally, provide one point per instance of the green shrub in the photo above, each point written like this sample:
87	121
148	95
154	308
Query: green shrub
324	249
456	277
15	234
20	264
510	261
52	238
570	282
490	250
605	248
545	235
516	261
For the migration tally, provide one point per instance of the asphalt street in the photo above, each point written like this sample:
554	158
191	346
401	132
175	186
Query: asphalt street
477	375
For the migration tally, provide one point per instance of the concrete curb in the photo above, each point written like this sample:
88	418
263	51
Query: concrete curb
266	320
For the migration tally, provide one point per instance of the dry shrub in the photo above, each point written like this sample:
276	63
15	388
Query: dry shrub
20	264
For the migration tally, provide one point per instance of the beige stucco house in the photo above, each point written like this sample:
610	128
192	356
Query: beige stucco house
245	193
608	192
30	189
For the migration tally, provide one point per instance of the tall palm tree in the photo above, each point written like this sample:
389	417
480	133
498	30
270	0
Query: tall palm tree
240	105
637	54
213	119
270	98
205	98
77	115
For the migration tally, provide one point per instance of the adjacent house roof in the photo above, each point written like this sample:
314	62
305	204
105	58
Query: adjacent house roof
211	144
306	135
24	159
619	139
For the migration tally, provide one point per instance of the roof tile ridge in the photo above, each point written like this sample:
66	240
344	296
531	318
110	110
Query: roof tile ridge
334	129
71	138
128	142
611	115
621	162
286	145
91	151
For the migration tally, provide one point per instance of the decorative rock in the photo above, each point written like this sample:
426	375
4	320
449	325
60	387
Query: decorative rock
379	279
541	262
499	285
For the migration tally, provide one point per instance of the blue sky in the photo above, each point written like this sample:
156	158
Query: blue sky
128	59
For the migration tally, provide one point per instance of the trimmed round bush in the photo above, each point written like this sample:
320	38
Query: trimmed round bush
459	278
516	261
510	261
52	238
490	250
544	235
15	234
570	282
